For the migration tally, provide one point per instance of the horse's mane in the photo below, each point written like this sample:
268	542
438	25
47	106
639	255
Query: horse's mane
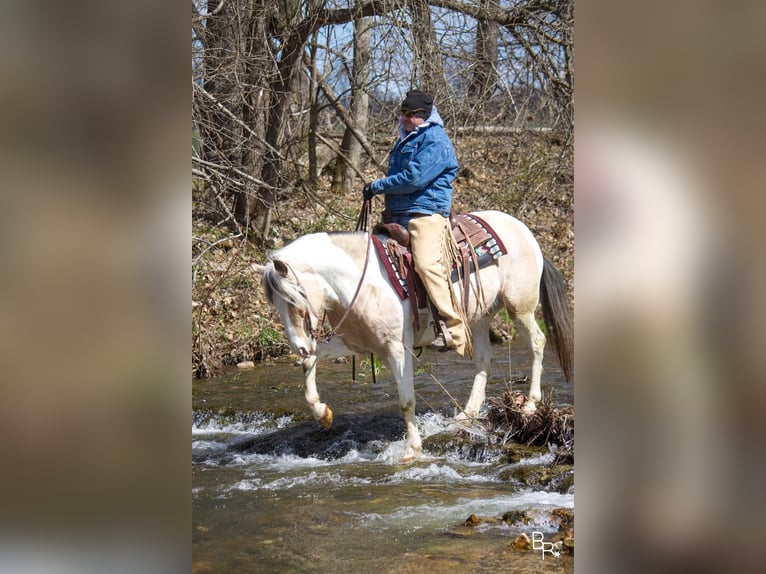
280	286
275	284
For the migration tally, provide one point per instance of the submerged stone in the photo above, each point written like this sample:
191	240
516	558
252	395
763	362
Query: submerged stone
564	517
559	478
516	517
462	446
310	439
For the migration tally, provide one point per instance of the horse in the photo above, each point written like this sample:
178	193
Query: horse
336	276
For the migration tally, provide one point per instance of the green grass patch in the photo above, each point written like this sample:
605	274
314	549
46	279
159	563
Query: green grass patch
366	367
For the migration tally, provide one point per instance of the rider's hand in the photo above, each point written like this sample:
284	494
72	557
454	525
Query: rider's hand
367	191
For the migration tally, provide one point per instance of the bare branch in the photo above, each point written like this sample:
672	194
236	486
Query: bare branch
343	113
224	168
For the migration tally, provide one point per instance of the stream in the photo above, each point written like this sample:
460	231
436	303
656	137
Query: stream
273	492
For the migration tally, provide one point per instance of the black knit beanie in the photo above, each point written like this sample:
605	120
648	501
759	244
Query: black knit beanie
418	101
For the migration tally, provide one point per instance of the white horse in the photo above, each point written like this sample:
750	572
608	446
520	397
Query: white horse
316	278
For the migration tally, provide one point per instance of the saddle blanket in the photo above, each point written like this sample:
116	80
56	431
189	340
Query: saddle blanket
484	243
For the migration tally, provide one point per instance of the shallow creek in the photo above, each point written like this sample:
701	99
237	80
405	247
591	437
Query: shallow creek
272	492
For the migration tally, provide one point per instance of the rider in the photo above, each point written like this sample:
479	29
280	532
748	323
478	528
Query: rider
418	196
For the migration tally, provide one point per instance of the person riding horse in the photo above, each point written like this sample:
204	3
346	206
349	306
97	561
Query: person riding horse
418	196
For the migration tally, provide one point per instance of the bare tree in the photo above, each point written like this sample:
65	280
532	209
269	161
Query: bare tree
428	73
282	90
484	79
351	147
504	62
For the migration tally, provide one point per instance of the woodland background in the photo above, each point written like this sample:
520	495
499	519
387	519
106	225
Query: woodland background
295	106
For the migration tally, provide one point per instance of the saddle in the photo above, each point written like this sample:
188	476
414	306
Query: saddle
478	246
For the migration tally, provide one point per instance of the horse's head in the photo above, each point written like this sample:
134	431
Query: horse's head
287	292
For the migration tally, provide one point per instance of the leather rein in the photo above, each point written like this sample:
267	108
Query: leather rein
362	224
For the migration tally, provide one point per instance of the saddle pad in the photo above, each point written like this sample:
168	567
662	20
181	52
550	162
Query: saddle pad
480	233
489	248
392	267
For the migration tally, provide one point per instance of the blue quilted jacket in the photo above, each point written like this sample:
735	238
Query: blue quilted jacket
421	168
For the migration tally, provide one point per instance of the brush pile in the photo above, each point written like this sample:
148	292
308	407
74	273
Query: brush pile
507	420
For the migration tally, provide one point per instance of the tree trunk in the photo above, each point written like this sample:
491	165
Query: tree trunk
313	118
484	81
351	147
220	81
429	70
292	50
235	38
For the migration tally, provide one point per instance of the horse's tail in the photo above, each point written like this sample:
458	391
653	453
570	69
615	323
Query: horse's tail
557	316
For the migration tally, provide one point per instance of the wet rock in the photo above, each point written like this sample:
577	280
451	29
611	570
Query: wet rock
564	541
522	542
514	452
462	447
568	543
559	478
516	517
246	365
346	433
472	520
564	517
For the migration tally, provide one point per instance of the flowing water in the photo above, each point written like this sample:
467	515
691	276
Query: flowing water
273	492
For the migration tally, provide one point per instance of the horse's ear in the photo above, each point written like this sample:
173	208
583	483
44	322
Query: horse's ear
281	267
259	269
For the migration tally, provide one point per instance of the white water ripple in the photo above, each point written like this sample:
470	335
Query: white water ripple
452	513
240	423
313	480
435	473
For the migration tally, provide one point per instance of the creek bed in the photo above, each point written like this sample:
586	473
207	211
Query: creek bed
273	492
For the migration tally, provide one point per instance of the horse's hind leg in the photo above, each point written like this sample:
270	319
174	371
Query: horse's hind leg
400	363
536	339
482	357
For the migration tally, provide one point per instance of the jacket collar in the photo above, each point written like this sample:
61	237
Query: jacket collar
433	119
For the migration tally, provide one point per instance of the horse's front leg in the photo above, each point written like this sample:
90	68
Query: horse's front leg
331	349
321	411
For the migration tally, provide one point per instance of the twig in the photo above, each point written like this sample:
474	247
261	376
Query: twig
235	170
237	120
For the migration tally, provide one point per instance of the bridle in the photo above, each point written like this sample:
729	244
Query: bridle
311	316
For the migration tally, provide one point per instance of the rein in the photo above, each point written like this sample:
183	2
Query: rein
361	224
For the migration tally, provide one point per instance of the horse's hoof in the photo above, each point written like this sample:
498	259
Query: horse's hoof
410	455
463	418
326	420
529	408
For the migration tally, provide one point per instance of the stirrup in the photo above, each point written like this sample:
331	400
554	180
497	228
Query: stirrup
443	341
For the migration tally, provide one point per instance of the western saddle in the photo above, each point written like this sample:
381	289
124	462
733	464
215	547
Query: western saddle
478	246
